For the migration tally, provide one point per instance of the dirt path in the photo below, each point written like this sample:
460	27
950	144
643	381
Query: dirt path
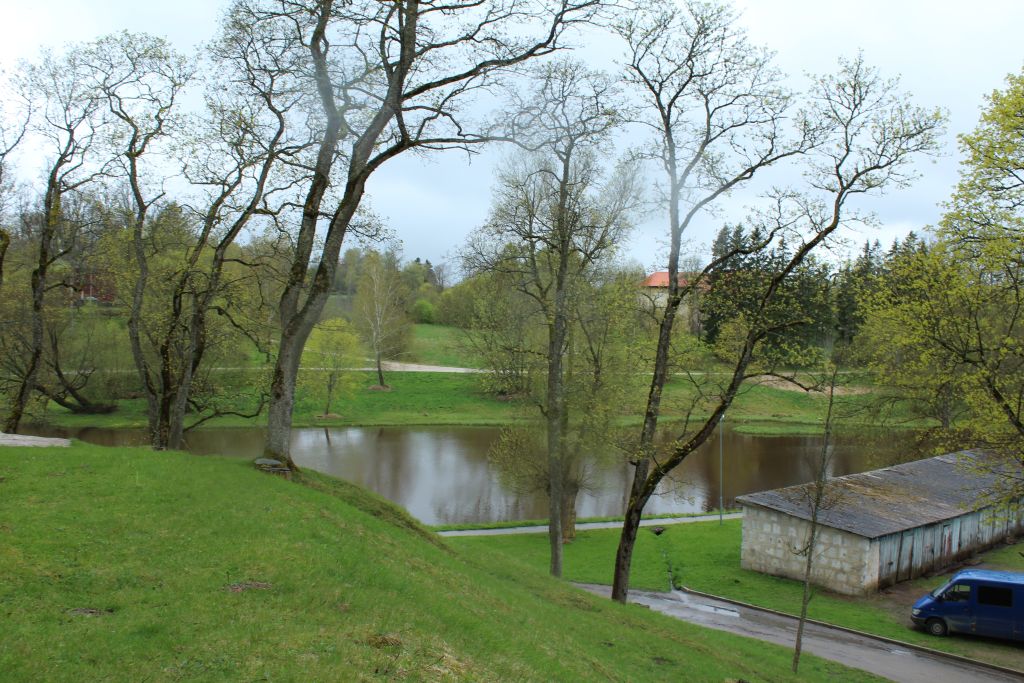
19	440
882	658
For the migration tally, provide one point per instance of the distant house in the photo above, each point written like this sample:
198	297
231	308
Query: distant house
654	296
655	287
91	285
884	526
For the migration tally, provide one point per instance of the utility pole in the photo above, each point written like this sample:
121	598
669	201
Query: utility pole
721	473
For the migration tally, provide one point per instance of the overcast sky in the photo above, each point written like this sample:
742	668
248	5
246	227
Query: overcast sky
948	54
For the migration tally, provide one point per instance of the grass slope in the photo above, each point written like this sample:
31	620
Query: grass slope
130	565
439	345
706	557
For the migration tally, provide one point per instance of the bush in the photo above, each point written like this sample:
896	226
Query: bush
423	312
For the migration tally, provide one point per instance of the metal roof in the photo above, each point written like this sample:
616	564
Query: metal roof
889	500
989	575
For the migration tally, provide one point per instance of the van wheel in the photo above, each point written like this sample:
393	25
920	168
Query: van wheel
936	627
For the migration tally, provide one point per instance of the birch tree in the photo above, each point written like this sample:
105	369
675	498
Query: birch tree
379	310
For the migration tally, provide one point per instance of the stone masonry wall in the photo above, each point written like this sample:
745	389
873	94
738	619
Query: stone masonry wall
842	561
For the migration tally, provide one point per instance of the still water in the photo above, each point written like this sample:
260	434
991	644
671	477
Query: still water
441	474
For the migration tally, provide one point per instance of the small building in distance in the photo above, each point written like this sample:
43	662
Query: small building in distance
880	527
654	296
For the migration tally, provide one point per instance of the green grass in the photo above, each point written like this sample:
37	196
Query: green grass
439	345
415	398
706	557
418	398
130	565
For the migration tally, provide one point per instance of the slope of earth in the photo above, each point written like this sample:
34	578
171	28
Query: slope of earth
128	565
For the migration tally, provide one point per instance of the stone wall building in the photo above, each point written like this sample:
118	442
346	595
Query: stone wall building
879	527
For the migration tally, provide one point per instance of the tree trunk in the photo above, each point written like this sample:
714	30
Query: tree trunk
569	514
331	378
51	220
282	400
380	371
5	241
806	599
627	539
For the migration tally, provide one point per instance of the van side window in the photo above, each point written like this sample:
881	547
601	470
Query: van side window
990	595
957	593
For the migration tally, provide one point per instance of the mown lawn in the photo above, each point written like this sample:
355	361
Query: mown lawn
705	556
132	565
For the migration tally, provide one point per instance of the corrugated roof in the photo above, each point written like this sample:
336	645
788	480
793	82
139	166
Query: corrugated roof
889	500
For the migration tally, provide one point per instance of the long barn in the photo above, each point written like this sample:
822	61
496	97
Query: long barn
878	527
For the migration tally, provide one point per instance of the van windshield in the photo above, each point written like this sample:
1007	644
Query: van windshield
940	590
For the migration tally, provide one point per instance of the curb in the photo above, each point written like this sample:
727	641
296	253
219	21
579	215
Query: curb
891	641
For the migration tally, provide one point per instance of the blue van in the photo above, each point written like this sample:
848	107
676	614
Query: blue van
976	601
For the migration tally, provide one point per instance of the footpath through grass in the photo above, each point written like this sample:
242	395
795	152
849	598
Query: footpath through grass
706	557
131	565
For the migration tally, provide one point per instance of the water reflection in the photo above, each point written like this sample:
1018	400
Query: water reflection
441	474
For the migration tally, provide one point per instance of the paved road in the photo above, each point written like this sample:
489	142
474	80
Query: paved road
875	656
583	526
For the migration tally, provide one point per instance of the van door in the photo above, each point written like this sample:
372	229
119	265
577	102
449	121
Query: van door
994	610
1018	613
956	608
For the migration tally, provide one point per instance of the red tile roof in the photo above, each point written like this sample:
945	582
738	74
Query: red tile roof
660	279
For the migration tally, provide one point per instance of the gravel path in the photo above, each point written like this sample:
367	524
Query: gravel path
19	440
583	526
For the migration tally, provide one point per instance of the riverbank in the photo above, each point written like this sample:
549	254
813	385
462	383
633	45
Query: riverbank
460	399
705	556
128	564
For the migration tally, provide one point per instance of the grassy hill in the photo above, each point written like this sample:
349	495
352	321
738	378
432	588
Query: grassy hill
130	565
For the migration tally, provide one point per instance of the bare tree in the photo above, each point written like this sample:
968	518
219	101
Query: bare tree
858	127
819	497
244	158
67	108
389	78
554	220
138	79
12	131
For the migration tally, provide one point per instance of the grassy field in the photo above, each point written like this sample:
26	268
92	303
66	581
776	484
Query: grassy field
131	565
439	345
419	398
706	557
414	398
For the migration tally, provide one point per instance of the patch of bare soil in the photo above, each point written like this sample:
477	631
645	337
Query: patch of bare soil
785	385
90	611
380	387
249	586
327	416
383	640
